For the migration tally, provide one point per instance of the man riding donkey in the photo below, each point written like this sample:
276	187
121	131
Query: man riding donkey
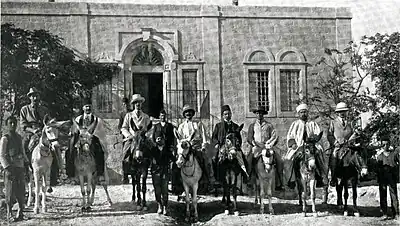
198	143
31	123
341	131
86	120
262	138
221	130
298	132
136	118
13	159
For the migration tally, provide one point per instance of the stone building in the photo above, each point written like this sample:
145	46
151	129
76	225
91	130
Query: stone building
203	55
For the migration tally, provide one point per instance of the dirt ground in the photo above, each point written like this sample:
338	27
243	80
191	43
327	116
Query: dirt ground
64	209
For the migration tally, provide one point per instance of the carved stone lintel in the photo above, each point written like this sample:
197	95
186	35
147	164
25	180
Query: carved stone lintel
146	33
190	57
103	57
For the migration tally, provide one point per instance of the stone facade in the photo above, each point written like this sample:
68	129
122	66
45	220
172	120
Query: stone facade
223	45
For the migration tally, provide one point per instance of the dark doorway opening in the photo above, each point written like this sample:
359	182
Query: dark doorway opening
150	86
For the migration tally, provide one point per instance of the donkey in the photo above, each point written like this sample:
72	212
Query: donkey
190	171
230	169
264	179
306	159
85	165
138	164
350	167
42	158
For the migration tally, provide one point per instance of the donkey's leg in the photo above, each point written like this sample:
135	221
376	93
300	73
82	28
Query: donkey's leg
93	190
234	193
312	190
88	190
194	200
346	196
269	193
339	191
107	194
262	195
187	200
44	190
144	188
304	196
354	189
133	187
300	189
83	192
36	177
225	186
30	190
138	190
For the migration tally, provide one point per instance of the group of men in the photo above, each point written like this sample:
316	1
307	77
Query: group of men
262	136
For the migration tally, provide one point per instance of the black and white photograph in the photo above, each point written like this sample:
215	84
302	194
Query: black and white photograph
200	112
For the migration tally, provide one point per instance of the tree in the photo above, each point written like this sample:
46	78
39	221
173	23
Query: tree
39	59
382	61
342	78
338	82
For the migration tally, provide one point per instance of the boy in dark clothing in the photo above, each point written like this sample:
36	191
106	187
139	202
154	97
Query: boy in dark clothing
13	160
388	159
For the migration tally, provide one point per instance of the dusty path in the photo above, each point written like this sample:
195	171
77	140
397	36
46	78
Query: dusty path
64	209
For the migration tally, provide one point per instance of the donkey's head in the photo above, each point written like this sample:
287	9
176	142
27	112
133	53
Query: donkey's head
85	140
310	149
184	149
229	150
50	135
140	142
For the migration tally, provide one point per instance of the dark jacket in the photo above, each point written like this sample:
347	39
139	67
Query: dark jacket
388	167
221	130
30	117
167	131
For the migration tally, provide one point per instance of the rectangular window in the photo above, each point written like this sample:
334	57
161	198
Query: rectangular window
104	97
190	88
259	89
289	89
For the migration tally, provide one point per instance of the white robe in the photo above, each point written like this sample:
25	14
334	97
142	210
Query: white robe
296	132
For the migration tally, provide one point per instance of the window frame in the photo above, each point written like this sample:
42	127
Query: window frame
260	66
191	66
301	67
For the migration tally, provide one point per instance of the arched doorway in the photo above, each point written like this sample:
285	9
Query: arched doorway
147	77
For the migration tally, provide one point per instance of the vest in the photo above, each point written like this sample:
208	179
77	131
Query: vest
14	149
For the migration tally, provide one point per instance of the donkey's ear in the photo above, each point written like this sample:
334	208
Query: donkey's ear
177	135
45	119
149	126
240	127
319	137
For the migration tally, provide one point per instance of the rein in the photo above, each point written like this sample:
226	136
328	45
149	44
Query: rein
187	159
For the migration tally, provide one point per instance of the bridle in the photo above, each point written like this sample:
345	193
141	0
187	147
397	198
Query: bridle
186	159
45	150
308	153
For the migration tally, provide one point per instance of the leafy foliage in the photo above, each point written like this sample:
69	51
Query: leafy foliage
383	63
342	78
39	59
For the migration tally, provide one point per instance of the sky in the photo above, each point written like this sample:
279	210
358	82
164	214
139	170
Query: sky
369	16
